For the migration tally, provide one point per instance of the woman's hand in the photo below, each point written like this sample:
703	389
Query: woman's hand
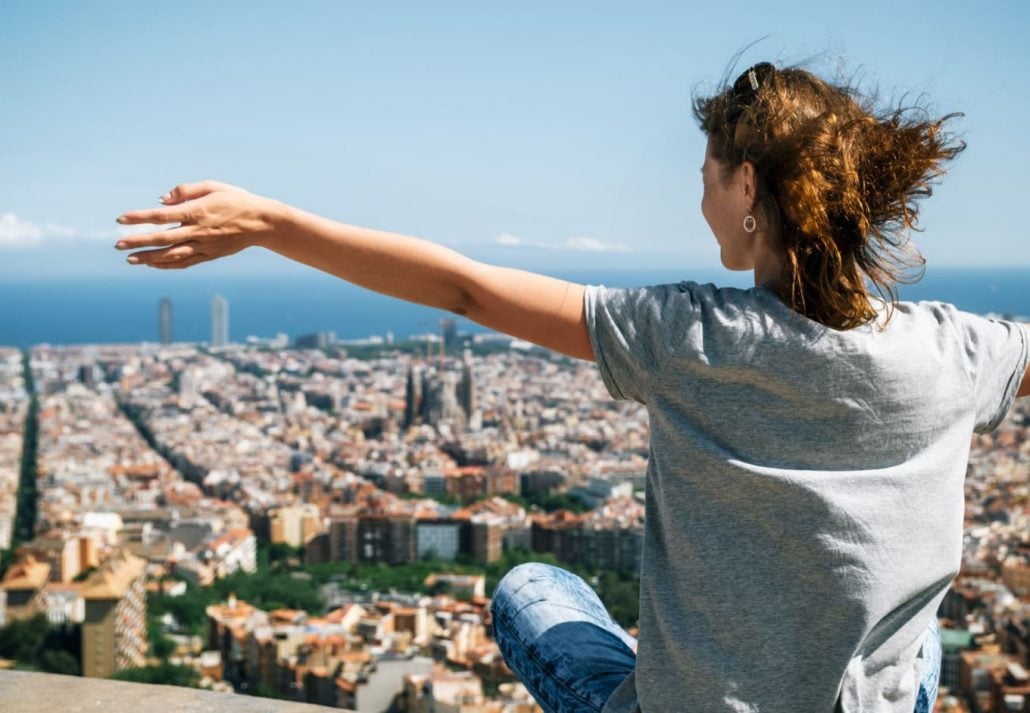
215	220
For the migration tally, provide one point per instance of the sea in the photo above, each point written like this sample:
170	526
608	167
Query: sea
125	310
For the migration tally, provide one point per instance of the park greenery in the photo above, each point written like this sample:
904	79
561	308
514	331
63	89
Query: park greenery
25	512
25	501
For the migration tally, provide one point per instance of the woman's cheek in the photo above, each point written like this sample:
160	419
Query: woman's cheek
705	212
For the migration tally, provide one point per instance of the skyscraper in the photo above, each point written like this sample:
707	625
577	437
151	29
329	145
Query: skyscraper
431	408
449	333
164	310
219	321
467	386
412	397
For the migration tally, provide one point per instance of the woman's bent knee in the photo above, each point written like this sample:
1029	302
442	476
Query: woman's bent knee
517	577
522	573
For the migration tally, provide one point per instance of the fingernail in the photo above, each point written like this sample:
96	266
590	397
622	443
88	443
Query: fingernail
132	259
166	197
120	245
120	219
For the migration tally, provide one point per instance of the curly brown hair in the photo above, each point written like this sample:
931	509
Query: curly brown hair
836	181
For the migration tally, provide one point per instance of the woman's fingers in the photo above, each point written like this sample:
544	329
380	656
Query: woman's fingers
170	254
157	216
178	252
189	191
160	238
179	264
183	193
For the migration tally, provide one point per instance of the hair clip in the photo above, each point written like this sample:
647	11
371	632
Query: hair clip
747	85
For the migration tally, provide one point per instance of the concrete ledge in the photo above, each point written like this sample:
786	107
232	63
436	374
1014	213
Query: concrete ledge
29	692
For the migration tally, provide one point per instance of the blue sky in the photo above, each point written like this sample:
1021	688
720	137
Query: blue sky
543	135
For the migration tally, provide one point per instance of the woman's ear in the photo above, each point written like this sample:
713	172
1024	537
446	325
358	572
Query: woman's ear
749	183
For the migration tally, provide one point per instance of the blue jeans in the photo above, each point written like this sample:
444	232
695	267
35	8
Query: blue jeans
556	635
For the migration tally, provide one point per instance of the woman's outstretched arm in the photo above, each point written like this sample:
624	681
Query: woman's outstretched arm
217	220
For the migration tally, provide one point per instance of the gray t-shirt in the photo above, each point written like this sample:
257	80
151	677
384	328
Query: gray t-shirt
804	491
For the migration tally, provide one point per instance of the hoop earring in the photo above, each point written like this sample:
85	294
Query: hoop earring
749	223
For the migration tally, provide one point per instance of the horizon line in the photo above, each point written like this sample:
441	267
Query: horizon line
106	276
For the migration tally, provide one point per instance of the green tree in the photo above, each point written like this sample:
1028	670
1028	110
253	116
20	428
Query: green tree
263	690
59	662
549	503
160	645
163	673
189	609
23	639
272	553
7	557
35	644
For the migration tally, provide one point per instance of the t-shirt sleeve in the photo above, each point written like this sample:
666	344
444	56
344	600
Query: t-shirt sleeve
996	353
630	330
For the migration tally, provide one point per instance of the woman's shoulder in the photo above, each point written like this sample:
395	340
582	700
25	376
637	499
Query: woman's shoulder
711	294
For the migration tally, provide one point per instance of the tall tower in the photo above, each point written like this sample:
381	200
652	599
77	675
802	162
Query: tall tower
164	312
412	397
467	387
450	405
430	409
448	333
219	321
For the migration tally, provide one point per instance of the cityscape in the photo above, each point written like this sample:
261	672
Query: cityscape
324	522
284	465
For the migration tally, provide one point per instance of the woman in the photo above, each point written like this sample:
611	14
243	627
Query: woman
808	440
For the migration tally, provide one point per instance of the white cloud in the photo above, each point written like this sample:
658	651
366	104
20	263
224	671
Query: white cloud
594	245
15	232
508	239
18	233
576	243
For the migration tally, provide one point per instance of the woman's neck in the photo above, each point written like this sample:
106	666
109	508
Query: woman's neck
768	264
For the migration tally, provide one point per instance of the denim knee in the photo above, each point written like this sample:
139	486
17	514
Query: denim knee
516	577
